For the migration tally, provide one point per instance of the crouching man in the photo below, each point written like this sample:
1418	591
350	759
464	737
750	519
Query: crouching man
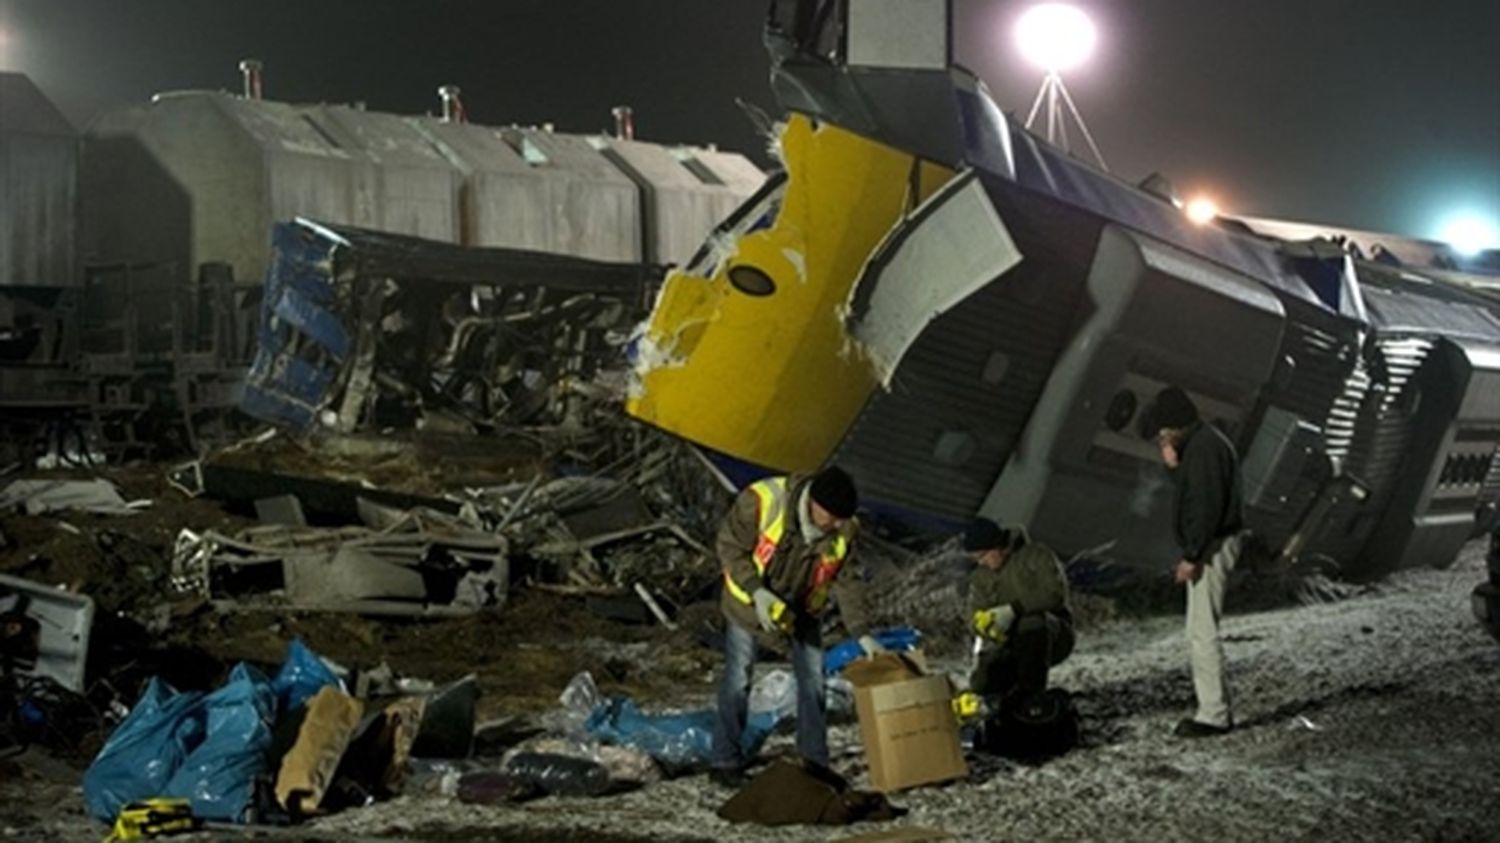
785	547
1018	606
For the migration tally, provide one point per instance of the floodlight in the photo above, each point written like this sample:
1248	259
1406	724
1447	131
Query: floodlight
1055	36
1470	233
1201	210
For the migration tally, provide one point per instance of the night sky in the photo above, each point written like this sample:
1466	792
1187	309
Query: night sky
1381	114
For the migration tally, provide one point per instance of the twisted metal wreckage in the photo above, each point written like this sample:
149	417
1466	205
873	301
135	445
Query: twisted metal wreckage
364	333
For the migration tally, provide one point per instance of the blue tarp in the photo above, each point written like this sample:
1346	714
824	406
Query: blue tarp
143	753
673	739
206	748
302	675
219	774
896	639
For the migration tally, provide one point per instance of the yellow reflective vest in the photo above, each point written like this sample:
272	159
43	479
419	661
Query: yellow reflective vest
772	502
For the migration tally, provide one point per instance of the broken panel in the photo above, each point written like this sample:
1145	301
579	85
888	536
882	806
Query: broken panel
756	323
363	330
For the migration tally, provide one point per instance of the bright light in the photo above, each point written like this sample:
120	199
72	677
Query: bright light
1201	210
1055	37
1470	233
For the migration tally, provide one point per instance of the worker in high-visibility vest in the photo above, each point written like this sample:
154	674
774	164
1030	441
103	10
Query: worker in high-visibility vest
785	548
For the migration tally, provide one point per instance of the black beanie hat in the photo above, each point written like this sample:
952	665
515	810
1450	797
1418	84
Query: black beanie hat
1173	409
984	534
833	489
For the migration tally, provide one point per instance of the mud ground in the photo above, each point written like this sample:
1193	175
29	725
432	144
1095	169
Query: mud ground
1373	718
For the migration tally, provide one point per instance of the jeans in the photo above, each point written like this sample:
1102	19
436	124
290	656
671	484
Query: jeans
734	696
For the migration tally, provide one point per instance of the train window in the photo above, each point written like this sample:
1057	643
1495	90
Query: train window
1121	410
751	281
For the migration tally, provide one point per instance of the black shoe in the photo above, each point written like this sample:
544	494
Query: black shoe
732	778
1191	728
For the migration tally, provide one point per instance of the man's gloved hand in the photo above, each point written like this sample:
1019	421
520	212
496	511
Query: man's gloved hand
870	646
771	611
994	623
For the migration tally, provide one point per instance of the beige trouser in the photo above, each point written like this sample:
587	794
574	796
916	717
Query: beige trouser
1205	604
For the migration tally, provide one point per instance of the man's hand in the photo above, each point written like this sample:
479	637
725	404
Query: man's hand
771	611
870	646
1187	572
994	623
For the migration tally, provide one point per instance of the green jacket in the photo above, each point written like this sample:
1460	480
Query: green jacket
1031	581
790	570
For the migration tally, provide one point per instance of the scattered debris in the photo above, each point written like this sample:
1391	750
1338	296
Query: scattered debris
36	497
282	509
364	330
423	563
44	632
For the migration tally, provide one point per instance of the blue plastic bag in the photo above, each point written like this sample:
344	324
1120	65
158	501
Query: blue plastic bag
673	739
143	753
896	639
218	775
205	748
300	676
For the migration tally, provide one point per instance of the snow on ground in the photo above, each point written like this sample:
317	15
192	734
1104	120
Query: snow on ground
1374	718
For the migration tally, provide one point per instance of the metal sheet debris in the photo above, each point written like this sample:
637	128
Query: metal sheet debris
38	497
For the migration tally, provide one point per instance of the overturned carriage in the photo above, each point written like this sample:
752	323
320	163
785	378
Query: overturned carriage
973	322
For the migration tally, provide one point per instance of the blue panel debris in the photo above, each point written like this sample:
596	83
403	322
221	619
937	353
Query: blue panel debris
328	287
301	342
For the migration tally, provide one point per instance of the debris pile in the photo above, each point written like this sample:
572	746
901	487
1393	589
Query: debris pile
363	330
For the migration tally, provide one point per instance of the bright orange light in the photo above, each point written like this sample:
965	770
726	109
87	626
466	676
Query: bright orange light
1201	210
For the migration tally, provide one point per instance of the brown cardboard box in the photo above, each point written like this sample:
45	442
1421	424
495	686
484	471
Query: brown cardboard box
905	722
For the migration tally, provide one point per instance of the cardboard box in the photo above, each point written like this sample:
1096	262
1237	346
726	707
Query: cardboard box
905	722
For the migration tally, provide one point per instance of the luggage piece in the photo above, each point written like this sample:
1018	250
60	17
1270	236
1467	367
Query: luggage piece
1035	729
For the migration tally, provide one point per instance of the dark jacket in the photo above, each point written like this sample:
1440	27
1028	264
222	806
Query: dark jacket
1031	581
790	570
1208	506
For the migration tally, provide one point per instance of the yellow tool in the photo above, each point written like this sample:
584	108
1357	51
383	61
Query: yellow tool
153	818
966	706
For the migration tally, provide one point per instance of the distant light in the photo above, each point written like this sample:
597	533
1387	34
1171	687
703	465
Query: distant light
1055	36
1470	233
1201	210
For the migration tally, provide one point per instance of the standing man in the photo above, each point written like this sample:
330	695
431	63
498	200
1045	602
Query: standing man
784	547
1018	606
1210	531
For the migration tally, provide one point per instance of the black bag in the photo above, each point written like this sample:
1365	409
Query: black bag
1032	728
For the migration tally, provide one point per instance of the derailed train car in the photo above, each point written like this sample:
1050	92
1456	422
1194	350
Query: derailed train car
132	253
971	321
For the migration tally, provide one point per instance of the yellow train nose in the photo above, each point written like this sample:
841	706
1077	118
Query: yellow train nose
746	351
